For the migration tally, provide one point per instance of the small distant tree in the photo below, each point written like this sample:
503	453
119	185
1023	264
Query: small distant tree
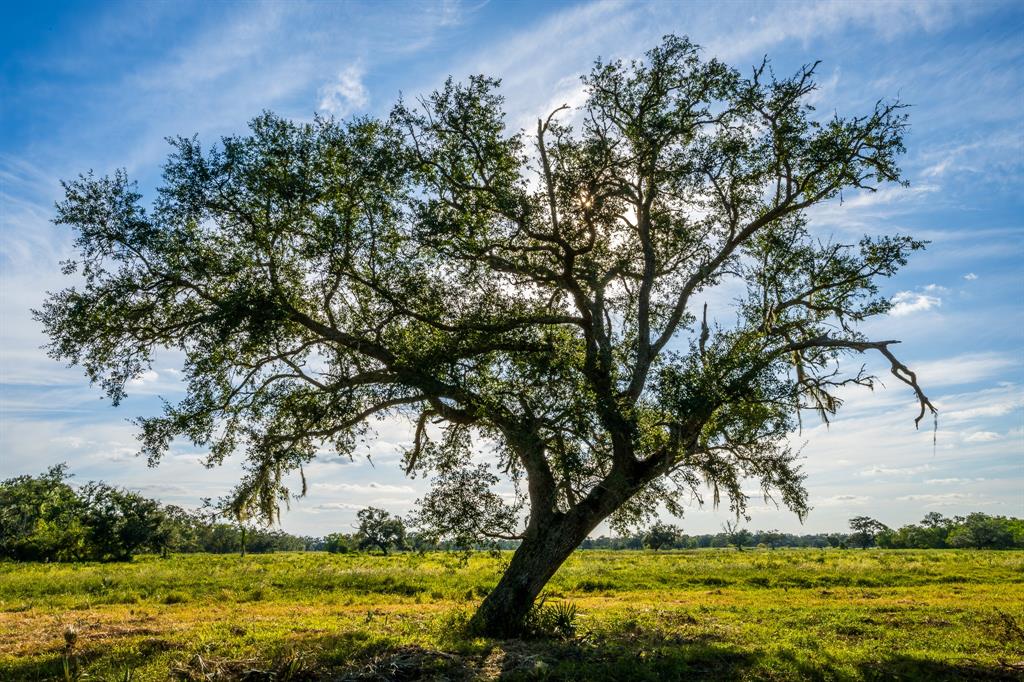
179	531
865	529
772	538
662	535
633	541
119	522
236	510
339	543
937	528
378	528
220	538
932	533
40	518
891	539
463	510
736	536
421	542
836	540
935	520
982	531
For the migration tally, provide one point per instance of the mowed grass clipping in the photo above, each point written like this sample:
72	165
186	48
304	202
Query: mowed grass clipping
705	614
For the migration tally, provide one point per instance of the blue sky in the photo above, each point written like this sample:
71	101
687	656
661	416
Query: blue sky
100	85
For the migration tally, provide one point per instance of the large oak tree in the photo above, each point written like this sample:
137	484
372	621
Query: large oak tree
531	302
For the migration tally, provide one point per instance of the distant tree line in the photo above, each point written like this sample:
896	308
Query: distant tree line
977	530
379	530
45	518
974	531
663	536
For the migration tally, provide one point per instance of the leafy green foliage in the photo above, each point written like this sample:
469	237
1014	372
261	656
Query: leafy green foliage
557	620
339	543
40	518
977	530
380	529
865	529
119	522
737	536
45	518
662	535
982	531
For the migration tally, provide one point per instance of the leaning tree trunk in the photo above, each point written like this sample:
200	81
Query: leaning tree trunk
503	612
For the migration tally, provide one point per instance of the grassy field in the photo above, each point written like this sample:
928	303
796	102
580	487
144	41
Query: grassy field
783	614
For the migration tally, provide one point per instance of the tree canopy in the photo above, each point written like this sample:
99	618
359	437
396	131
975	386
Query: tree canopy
865	529
661	535
539	296
378	528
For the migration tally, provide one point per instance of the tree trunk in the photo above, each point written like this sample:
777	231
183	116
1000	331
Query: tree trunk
503	612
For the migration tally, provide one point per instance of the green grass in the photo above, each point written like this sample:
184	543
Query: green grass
784	614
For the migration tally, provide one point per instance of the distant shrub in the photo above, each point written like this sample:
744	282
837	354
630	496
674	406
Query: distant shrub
175	597
593	585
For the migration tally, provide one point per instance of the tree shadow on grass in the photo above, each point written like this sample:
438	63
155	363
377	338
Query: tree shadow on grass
515	660
669	660
82	665
48	668
913	669
636	655
674	661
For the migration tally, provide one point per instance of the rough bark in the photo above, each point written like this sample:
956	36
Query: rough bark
503	612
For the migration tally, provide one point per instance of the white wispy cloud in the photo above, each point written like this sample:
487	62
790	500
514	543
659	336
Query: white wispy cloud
363	488
337	506
982	437
983	404
888	196
952	481
346	94
950	499
994	410
842	501
896	471
938	168
964	368
909	302
147	377
453	12
806	21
